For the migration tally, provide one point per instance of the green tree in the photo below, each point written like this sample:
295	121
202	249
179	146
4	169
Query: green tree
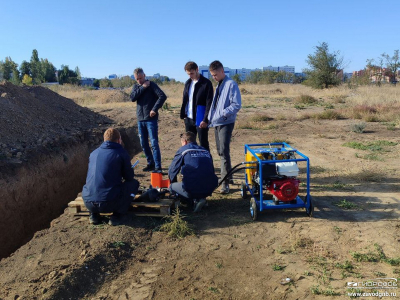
96	83
393	64
36	70
236	77
324	67
122	82
15	77
269	77
126	81
255	77
65	75
48	70
157	80
284	77
10	72
78	73
25	68
105	83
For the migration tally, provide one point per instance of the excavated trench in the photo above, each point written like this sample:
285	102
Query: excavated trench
34	193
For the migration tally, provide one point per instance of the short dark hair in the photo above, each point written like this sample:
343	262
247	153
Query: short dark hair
191	65
138	71
112	135
215	65
188	137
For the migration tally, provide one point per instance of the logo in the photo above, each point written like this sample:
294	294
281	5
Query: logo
352	284
377	283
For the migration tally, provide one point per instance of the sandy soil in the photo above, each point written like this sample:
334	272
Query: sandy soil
230	256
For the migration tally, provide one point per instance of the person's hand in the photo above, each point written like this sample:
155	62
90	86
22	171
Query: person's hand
146	84
203	124
152	113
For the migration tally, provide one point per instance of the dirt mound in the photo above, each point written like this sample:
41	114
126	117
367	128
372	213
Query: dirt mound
45	142
35	117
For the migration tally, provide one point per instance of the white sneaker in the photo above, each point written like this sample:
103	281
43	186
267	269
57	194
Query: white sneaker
224	189
199	205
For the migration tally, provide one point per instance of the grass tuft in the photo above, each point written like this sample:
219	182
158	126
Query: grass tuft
176	227
305	99
371	146
276	267
328	114
358	128
346	204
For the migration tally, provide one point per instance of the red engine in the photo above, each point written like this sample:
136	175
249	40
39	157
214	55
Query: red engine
284	189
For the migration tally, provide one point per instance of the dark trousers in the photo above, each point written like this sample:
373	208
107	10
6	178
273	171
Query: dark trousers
119	205
190	125
223	136
177	188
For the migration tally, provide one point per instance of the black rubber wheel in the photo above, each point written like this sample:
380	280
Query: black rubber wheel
253	209
243	191
310	210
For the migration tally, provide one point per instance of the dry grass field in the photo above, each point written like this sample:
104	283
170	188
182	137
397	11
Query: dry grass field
351	136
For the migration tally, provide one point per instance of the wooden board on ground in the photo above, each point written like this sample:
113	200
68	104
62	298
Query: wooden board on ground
151	209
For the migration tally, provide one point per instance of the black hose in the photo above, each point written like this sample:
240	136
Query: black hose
232	171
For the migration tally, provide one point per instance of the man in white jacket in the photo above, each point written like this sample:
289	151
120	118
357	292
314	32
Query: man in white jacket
226	103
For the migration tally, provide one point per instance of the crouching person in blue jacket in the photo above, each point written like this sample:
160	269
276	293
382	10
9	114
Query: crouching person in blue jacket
105	191
196	166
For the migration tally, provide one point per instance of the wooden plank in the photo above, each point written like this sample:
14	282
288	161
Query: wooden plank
149	209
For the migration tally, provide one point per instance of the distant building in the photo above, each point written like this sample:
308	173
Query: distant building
112	76
87	81
244	73
157	76
377	74
287	69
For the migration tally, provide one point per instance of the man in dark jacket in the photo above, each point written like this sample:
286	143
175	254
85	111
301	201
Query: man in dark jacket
196	166
150	99
104	191
197	99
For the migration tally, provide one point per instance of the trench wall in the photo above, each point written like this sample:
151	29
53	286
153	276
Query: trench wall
37	192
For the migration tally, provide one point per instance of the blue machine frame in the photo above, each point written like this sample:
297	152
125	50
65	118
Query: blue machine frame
261	204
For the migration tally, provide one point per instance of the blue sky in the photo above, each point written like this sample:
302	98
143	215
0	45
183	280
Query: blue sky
115	37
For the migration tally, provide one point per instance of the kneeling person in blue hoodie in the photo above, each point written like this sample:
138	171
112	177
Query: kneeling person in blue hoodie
105	191
196	166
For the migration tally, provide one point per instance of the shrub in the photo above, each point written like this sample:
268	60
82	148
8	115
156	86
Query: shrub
358	128
338	99
328	115
275	91
243	91
305	99
260	118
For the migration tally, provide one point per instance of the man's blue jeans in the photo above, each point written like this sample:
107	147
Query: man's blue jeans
149	130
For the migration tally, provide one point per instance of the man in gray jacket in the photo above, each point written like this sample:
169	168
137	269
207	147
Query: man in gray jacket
150	99
226	103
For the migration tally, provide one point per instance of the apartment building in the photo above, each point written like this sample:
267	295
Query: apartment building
244	73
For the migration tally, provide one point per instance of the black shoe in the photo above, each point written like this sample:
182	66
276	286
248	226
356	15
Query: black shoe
94	219
157	170
115	220
149	168
199	204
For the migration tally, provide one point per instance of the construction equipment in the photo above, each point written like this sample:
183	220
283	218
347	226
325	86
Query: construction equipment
273	167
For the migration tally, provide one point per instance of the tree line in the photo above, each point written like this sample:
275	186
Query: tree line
37	71
325	70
